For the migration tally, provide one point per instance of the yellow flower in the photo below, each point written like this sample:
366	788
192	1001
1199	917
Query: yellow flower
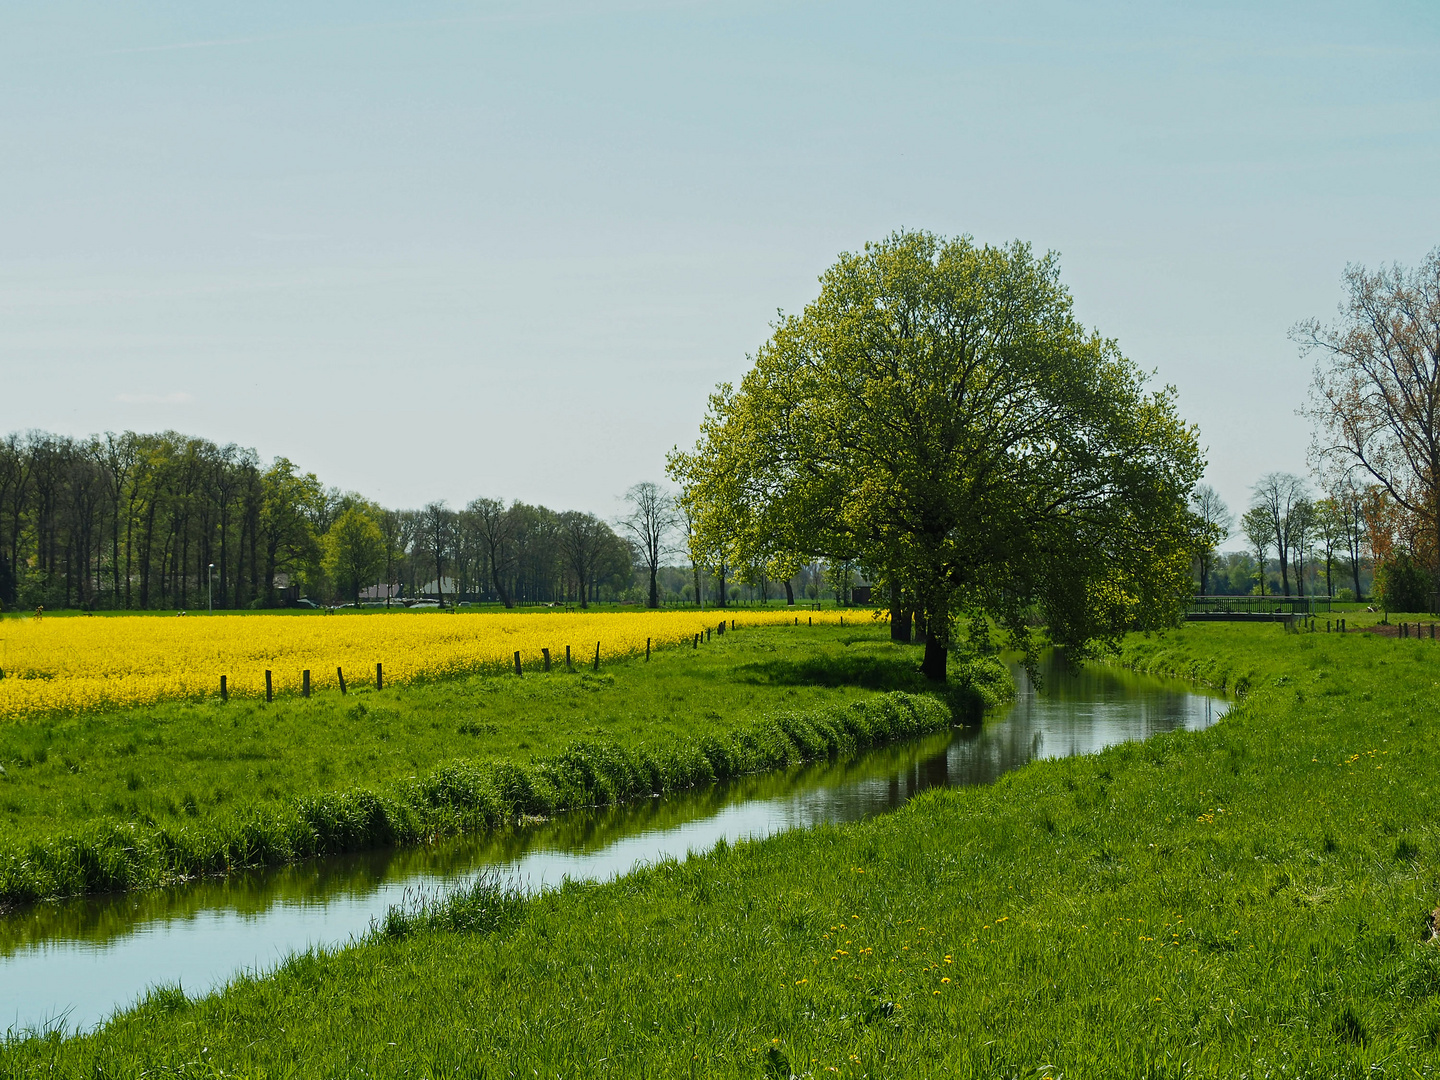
83	665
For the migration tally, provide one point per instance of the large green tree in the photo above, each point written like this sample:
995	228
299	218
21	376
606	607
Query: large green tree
938	415
355	551
287	534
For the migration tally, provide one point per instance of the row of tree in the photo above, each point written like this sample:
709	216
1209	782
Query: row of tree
169	521
1375	406
1326	538
137	521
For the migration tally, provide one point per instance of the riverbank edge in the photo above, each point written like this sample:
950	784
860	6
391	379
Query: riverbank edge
1215	661
465	796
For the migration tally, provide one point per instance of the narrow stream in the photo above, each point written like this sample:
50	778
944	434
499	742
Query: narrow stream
75	962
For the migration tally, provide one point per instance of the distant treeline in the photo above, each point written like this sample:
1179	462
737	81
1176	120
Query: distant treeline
170	521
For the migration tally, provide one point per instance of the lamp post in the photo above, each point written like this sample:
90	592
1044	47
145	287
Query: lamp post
210	591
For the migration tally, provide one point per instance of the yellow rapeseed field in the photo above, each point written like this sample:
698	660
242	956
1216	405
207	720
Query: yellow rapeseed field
58	666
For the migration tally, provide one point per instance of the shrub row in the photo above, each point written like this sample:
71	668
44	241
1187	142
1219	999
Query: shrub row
466	796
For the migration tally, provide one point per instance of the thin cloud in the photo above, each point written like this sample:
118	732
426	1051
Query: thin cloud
179	397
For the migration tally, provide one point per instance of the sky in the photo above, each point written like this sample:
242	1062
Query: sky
445	250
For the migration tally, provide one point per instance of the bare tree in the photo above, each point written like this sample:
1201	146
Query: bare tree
583	538
1277	494
392	529
1350	507
1302	525
1376	394
1257	527
694	545
1216	521
649	523
436	526
496	530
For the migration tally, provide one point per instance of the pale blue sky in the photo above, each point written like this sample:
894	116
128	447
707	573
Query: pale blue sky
445	250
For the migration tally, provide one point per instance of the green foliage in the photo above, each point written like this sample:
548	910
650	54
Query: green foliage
938	415
354	551
1214	904
289	541
1402	584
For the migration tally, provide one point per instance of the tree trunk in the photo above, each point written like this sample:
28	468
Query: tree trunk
271	551
933	666
899	619
721	602
654	586
500	590
1435	521
789	594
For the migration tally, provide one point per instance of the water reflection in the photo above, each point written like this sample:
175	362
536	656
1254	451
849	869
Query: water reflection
77	961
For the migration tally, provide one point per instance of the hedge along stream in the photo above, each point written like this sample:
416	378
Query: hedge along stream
466	796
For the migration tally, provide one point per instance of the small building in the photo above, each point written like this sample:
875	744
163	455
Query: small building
432	589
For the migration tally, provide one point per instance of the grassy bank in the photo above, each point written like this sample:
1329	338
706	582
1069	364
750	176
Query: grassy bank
135	798
1251	900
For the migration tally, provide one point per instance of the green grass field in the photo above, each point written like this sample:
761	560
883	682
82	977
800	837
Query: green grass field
1252	900
135	798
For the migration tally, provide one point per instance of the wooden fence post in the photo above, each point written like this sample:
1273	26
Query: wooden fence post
597	656
696	643
546	654
568	666
647	650
517	662
305	683
340	676
379	677
224	690
269	689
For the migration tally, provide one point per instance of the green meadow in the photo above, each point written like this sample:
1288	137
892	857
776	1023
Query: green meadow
146	796
1251	900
